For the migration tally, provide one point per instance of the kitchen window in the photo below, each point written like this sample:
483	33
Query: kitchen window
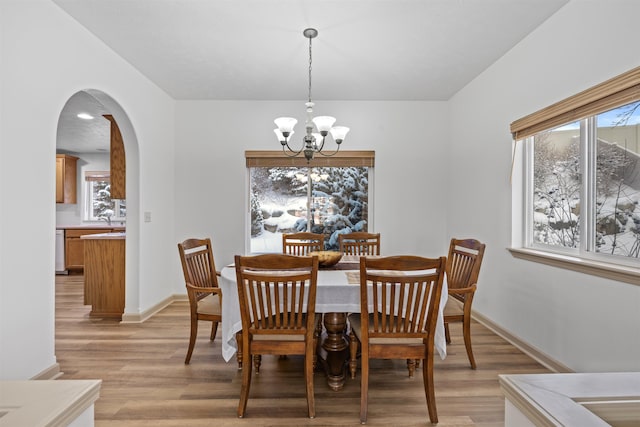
581	177
99	206
329	195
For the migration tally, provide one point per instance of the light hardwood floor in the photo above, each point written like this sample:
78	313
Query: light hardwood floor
146	383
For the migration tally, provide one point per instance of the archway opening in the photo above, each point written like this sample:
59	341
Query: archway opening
89	140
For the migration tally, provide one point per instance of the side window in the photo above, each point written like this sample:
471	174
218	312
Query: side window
584	185
98	202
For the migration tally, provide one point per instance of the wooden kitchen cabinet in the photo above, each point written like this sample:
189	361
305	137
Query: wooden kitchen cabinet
118	163
104	275
66	182
74	246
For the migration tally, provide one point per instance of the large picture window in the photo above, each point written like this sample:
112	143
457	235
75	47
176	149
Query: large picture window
582	173
330	196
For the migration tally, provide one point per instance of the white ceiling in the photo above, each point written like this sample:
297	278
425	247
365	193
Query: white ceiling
365	50
76	135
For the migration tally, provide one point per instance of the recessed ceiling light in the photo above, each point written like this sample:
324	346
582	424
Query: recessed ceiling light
85	116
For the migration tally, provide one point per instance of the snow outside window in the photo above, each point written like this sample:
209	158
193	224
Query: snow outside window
327	200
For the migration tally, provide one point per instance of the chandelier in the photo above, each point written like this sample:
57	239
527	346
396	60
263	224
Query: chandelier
313	142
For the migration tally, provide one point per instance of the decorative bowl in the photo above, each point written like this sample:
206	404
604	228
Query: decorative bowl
327	258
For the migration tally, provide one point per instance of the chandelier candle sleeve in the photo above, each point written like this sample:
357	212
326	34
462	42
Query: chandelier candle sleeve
312	142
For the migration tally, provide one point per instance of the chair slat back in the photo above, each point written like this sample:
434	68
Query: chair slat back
277	293
401	295
302	243
198	265
359	243
463	262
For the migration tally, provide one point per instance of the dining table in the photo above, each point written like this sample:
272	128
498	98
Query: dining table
337	294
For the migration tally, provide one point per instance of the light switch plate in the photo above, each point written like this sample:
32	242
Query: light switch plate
147	217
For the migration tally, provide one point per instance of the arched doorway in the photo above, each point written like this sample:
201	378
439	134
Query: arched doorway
95	133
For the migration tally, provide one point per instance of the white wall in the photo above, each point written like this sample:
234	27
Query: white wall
409	138
46	57
587	323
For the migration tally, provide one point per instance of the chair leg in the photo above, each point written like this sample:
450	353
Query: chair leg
447	336
192	339
257	361
246	385
214	329
316	340
364	386
239	352
411	366
427	375
308	376
466	333
353	354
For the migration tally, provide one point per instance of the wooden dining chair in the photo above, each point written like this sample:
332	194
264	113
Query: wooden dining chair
302	243
277	294
201	280
463	267
359	243
399	303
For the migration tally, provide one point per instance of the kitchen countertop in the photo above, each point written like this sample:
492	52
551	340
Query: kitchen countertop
579	399
90	227
46	402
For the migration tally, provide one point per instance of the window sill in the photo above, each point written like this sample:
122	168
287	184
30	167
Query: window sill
609	271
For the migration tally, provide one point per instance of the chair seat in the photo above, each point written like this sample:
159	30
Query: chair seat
453	307
210	305
356	326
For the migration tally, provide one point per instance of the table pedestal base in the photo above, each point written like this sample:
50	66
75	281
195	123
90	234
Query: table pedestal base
333	350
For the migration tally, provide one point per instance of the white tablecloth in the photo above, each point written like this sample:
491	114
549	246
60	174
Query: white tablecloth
334	294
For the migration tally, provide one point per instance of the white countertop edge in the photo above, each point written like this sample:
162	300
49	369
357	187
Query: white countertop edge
553	399
104	236
47	403
100	226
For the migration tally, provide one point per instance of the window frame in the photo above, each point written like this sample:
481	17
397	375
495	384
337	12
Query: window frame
583	107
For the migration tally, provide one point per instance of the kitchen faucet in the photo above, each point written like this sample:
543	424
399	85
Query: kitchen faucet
106	219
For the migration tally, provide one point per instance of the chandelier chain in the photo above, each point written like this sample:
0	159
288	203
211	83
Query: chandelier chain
309	69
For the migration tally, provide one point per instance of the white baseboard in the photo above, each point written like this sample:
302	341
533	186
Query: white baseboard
51	373
531	351
141	317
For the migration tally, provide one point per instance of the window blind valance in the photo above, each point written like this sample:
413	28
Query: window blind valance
97	175
340	159
605	96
